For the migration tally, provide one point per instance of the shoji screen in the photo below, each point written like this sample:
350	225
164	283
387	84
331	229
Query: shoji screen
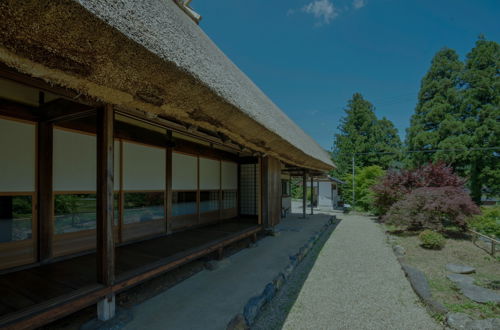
17	147
144	174
229	181
75	162
209	188
74	185
184	172
143	167
17	192
249	189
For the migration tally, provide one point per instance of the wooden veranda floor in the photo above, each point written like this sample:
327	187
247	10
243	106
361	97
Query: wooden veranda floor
38	289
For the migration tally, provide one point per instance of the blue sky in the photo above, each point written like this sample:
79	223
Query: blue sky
310	56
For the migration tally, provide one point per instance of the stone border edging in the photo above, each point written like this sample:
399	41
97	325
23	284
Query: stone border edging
417	280
421	287
255	304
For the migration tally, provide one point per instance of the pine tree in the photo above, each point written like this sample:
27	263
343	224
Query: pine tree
436	123
355	134
481	111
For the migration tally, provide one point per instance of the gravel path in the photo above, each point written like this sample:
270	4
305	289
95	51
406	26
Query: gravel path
357	283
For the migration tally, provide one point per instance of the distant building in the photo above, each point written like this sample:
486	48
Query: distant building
326	192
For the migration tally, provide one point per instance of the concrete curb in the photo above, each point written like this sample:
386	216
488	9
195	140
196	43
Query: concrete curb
255	304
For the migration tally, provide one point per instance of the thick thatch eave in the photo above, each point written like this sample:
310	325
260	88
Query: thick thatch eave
149	55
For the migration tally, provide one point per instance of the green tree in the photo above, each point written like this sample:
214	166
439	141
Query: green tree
355	135
386	141
436	123
364	179
481	116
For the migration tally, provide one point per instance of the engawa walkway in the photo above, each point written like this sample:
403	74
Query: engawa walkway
210	299
357	283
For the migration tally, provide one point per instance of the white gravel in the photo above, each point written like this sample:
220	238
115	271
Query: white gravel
357	283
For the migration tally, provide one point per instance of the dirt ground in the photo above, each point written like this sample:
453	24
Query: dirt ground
456	251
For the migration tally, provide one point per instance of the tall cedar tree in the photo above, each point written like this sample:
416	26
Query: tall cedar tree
481	115
436	123
361	132
386	141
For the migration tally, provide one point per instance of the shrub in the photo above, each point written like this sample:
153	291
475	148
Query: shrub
432	240
488	223
396	184
432	208
365	178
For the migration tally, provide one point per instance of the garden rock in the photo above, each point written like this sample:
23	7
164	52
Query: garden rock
460	269
479	294
473	292
279	281
252	308
421	286
461	321
486	324
461	279
399	250
238	323
457	320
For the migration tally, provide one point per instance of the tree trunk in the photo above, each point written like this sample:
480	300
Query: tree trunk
475	182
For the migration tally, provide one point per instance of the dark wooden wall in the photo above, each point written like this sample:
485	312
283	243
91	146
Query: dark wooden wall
271	191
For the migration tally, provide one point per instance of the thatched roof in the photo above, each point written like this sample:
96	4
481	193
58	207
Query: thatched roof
149	55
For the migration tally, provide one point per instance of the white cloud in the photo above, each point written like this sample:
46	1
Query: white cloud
358	4
322	10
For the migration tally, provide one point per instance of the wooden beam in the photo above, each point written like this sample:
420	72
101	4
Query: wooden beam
16	110
105	207
140	275
45	195
12	74
72	116
54	309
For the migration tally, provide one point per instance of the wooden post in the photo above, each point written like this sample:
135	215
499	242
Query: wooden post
168	204
259	191
105	209
238	195
304	194
45	194
220	191
312	195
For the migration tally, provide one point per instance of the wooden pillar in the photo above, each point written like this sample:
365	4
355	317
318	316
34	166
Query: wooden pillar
312	195
304	194
220	253
168	202
45	194
259	191
105	209
238	195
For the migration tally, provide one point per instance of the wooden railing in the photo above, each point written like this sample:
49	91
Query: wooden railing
494	242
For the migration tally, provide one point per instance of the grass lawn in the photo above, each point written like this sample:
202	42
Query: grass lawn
457	251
